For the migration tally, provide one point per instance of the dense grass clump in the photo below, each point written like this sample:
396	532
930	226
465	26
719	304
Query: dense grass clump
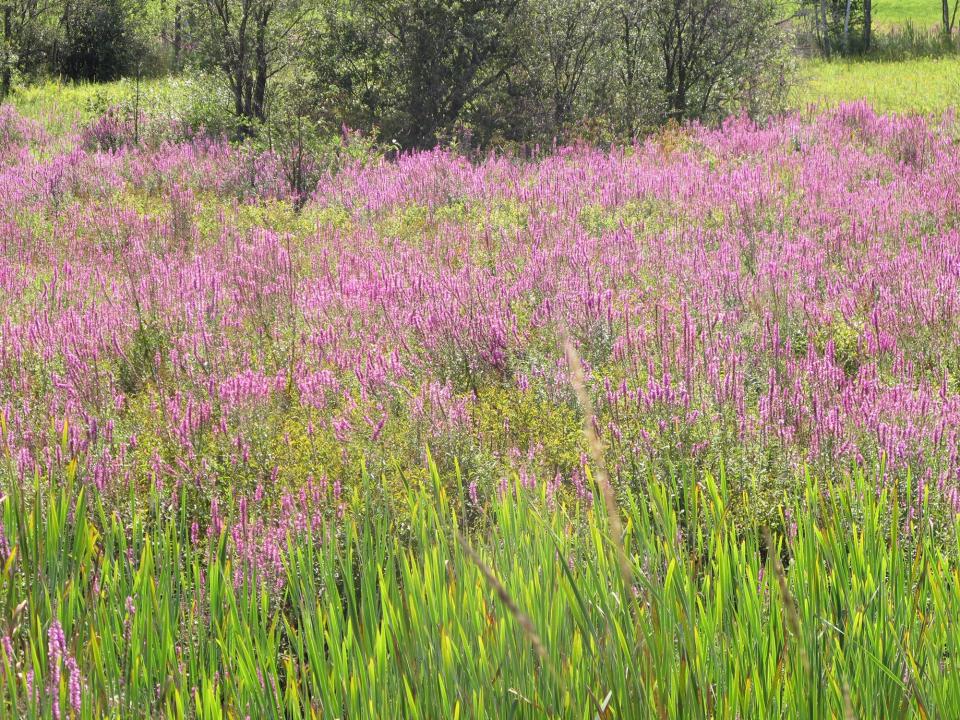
379	613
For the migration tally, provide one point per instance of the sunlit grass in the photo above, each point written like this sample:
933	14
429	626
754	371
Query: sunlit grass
925	85
521	612
925	14
63	103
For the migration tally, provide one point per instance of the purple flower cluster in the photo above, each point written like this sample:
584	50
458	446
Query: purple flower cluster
59	657
791	289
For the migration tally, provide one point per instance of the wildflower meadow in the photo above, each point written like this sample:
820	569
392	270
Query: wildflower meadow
663	429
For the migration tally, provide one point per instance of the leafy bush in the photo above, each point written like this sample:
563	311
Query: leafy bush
140	362
414	69
98	42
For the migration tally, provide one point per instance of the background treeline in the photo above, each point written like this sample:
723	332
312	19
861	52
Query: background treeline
836	28
415	73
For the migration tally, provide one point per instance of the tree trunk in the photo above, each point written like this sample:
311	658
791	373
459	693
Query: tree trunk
628	82
949	18
164	28
846	30
177	34
680	98
826	28
236	84
5	76
819	27
260	79
867	24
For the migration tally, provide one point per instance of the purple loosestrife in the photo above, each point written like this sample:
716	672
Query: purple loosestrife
723	296
74	685
56	654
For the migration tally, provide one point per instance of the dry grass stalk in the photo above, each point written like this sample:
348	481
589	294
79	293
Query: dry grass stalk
521	617
595	448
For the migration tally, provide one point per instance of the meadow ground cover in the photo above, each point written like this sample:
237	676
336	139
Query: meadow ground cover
918	85
216	412
922	13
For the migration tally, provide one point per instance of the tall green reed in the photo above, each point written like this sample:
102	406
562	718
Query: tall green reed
407	612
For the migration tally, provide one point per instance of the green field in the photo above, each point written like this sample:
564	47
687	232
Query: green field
922	13
925	85
913	84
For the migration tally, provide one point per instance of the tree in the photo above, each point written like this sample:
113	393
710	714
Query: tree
632	64
867	23
835	24
177	35
422	71
98	42
164	20
250	41
714	56
949	16
27	30
415	68
569	35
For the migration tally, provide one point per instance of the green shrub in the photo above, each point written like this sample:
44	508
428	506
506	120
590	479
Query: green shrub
99	42
140	363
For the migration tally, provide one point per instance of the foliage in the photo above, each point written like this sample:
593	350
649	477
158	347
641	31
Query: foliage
836	25
32	35
414	69
249	42
567	52
717	56
425	72
98	40
593	71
